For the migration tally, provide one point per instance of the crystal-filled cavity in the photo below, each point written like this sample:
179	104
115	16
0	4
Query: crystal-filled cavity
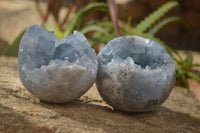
134	74
54	70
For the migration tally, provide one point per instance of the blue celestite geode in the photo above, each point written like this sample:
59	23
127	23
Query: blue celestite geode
134	74
54	70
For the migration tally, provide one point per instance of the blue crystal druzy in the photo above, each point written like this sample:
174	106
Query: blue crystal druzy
54	70
134	74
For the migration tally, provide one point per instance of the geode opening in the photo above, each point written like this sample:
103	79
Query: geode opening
56	70
134	74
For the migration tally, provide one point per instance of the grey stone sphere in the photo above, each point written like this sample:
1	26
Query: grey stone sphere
56	71
134	74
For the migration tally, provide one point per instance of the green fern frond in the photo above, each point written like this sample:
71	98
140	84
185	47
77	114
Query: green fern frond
164	22
155	16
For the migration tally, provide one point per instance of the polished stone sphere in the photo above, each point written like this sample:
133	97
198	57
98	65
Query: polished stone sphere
134	74
56	71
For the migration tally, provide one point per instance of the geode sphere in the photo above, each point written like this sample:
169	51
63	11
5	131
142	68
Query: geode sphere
134	74
56	71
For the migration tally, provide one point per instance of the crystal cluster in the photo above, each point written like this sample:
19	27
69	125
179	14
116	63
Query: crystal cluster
134	74
54	70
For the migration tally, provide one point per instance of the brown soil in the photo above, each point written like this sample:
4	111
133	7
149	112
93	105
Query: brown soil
23	113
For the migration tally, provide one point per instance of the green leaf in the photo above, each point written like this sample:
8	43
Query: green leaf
196	65
98	40
179	71
155	16
185	81
12	50
124	31
95	28
49	27
106	25
188	60
164	22
58	33
193	76
103	31
78	18
129	20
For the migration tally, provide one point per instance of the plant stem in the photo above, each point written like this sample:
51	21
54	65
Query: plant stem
49	9
71	8
56	10
114	16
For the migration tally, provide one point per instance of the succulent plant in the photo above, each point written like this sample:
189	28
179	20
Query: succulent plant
54	70
134	74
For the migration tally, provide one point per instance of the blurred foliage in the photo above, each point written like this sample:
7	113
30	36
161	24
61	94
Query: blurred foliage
101	31
12	50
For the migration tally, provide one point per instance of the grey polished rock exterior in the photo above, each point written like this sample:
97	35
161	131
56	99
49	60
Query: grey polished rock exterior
54	70
134	74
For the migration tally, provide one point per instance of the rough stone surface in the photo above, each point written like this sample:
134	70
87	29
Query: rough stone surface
20	112
56	70
134	74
